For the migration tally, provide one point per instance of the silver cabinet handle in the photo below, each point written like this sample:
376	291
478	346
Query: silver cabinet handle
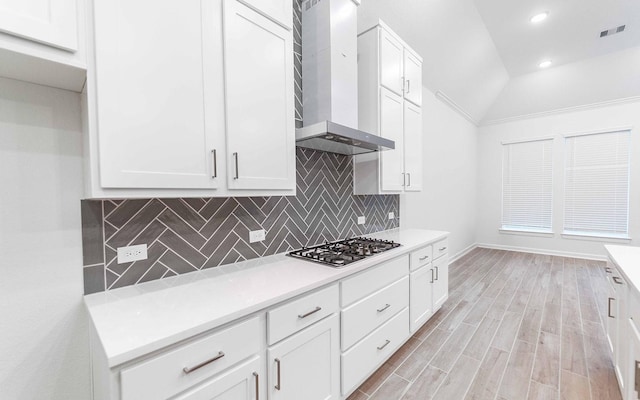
609	308
408	85
309	313
277	360
431	276
618	280
607	270
437	275
637	378
409	177
384	308
386	343
215	163
188	370
442	248
257	385
423	258
235	156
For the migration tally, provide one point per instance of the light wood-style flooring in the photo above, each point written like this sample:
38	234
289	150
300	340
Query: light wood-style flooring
516	326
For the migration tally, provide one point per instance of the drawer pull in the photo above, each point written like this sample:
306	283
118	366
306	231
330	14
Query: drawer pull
309	313
607	270
188	370
637	378
423	258
277	360
215	164
442	248
257	385
609	308
386	343
384	308
437	275
618	280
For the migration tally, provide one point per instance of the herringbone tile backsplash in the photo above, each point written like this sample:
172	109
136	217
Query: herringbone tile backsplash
190	234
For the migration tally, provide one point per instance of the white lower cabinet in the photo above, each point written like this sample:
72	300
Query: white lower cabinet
440	282
429	282
240	383
634	361
421	291
306	365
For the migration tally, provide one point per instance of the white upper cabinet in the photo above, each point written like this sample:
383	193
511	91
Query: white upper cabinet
412	147
412	78
389	105
152	122
41	41
259	100
280	11
391	55
192	99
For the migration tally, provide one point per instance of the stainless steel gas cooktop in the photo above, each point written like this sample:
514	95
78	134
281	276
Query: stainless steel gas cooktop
341	253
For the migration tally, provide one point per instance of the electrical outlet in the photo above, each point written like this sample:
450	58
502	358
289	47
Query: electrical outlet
256	236
361	220
132	253
391	215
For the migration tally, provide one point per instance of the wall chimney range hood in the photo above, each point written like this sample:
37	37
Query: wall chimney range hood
330	81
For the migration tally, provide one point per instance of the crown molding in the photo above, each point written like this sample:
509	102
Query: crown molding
455	107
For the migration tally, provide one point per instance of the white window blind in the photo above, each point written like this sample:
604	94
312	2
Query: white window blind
527	201
597	184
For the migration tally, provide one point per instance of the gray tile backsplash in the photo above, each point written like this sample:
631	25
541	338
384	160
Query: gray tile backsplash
190	234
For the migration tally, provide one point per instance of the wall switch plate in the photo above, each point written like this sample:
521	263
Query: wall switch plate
256	236
391	215
361	220
132	253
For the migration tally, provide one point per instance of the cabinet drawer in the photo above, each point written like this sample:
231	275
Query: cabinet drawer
361	285
164	376
366	315
363	358
421	257
295	315
440	248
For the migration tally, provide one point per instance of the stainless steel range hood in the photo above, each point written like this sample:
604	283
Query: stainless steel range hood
330	81
335	138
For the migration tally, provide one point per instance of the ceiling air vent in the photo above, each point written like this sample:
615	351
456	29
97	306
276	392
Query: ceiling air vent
612	31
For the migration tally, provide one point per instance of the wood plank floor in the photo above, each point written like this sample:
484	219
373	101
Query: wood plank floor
516	326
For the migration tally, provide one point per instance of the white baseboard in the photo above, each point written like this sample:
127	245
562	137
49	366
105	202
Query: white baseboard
596	257
462	253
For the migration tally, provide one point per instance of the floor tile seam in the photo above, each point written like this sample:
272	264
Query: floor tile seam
584	345
385	381
562	333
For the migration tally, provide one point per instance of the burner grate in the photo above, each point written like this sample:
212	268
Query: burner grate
344	252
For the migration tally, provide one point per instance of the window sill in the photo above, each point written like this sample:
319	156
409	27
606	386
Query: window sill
595	237
523	232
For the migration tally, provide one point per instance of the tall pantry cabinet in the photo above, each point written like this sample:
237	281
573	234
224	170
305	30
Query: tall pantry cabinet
390	105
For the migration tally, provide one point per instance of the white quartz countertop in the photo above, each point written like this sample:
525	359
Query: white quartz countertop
627	259
136	320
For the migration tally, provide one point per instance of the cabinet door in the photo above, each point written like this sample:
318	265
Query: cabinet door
413	147
151	113
239	383
611	324
441	282
412	78
279	10
306	365
634	361
53	22
259	100
421	296
391	55
391	127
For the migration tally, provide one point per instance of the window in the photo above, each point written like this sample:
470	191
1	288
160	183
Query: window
596	201
527	185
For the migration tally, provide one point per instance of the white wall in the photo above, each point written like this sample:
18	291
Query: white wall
44	331
447	201
490	175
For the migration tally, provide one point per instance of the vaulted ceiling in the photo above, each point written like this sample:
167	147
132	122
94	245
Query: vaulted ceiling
483	56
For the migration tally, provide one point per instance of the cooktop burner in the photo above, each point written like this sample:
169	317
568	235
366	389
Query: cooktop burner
341	253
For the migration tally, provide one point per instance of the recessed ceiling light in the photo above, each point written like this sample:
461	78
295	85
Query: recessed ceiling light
539	17
545	64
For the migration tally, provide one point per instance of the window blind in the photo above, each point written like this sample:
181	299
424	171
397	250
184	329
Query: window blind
597	184
527	186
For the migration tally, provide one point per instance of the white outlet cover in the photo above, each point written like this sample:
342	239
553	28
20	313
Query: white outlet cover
132	253
257	236
361	220
391	215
